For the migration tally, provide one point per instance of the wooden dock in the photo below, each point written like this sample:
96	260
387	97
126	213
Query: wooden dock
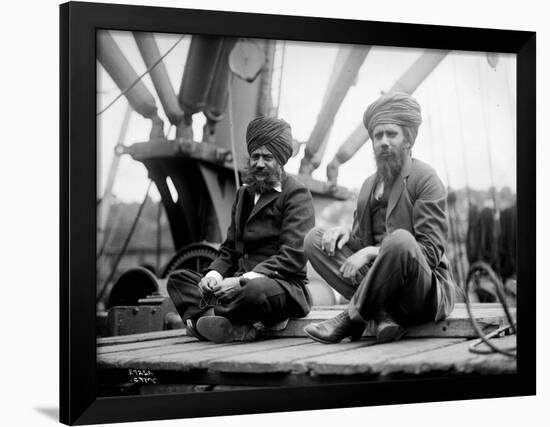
172	361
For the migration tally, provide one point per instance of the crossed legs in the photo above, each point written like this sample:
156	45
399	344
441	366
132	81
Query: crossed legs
398	283
259	300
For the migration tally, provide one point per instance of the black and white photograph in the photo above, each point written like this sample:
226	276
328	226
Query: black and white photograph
276	213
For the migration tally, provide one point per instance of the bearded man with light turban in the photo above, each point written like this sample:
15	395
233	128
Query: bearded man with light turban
391	265
258	279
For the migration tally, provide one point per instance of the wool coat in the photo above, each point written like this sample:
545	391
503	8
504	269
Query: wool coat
417	203
268	238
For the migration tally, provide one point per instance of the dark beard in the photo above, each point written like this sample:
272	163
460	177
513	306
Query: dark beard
271	177
389	166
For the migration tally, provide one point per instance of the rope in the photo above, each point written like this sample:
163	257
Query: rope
489	150
452	218
159	235
511	103
141	76
473	347
109	237
510	351
280	78
231	133
125	245
460	126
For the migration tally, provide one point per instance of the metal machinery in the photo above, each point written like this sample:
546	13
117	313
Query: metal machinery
229	81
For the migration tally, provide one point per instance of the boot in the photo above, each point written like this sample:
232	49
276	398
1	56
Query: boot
336	329
220	330
387	329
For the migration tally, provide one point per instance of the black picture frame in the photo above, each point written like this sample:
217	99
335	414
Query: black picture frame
79	403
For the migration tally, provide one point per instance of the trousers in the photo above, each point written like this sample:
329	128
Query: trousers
259	300
399	281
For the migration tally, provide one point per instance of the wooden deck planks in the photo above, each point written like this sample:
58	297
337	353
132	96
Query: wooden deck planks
126	358
302	356
197	355
146	336
456	358
433	347
140	345
281	359
371	359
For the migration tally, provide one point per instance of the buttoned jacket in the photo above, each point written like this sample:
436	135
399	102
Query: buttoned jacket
270	240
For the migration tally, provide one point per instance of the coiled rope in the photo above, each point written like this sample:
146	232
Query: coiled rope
475	272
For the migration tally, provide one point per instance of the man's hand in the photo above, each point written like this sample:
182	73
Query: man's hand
333	238
227	289
351	266
207	284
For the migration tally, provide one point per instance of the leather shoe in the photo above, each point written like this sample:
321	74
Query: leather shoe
387	329
336	329
220	330
191	326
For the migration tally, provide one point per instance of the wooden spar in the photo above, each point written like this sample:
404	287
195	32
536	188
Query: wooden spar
198	73
340	60
218	92
107	199
408	82
150	53
344	73
121	71
265	104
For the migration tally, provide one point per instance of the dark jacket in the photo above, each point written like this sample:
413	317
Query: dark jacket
418	204
270	240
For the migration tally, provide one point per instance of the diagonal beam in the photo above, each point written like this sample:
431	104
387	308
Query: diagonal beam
408	82
150	53
121	71
344	73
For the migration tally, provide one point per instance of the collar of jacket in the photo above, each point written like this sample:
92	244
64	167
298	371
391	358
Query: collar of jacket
406	169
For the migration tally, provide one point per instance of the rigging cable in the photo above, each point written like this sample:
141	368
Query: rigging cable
231	132
452	219
158	222
141	76
125	244
496	211
279	91
108	238
159	235
489	150
481	267
461	130
511	101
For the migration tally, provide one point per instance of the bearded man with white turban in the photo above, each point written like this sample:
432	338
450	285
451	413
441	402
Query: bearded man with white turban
391	265
258	279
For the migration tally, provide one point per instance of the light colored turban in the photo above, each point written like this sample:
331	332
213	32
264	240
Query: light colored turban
397	109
